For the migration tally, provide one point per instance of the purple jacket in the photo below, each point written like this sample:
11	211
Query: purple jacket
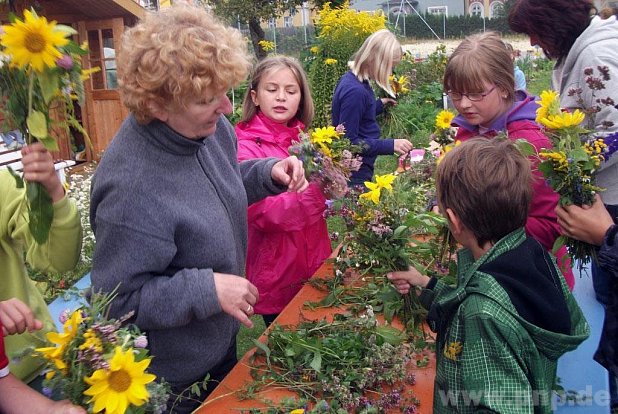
288	237
519	123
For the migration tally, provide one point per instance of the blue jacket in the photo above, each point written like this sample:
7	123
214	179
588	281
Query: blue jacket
355	106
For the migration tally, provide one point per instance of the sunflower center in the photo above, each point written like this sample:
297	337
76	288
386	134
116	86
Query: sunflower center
34	42
119	381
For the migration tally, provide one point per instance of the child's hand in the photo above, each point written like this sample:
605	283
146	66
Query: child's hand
402	146
39	166
403	280
16	317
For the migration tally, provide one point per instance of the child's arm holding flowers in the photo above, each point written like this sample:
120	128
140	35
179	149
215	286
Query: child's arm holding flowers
405	279
14	394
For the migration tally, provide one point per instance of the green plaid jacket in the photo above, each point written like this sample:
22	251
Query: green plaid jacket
490	359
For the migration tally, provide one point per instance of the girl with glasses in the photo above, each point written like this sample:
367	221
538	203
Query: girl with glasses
479	80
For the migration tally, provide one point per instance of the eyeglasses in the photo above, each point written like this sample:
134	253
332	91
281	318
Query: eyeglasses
474	96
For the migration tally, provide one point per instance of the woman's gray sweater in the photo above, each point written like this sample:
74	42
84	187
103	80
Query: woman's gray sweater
167	212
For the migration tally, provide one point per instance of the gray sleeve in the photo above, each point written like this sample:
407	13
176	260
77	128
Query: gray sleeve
134	261
257	179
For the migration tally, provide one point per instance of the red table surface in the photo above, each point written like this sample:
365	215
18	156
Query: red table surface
224	398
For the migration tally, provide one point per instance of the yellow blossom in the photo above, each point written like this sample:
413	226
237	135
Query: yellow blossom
324	135
314	50
123	384
375	188
62	340
563	120
446	149
452	350
266	45
330	61
444	119
33	42
92	341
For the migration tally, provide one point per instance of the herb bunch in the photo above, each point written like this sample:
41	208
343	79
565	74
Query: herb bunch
356	364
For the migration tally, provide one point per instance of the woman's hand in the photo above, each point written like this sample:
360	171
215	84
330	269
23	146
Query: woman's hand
237	296
38	166
586	223
289	171
388	101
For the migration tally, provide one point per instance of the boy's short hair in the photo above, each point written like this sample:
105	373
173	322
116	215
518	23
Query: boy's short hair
487	184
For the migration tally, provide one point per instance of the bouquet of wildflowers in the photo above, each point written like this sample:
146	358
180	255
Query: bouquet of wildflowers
570	166
101	365
329	158
40	73
382	223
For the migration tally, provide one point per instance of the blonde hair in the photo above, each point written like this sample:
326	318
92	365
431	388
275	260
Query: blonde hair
305	108
478	59
176	55
374	60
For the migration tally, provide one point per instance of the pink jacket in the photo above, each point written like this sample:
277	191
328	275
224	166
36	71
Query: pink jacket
288	237
542	222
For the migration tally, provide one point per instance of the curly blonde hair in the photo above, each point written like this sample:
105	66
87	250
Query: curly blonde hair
177	55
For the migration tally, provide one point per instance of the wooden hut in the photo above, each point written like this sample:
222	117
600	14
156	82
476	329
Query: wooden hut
100	23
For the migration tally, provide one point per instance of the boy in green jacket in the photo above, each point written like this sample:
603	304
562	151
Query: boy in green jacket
501	330
58	254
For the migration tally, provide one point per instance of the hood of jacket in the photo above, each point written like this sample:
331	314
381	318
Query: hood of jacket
263	129
523	109
599	30
539	297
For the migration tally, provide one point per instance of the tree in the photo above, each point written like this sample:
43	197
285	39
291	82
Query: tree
253	12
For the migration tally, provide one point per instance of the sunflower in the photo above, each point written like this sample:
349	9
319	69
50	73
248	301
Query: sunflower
444	119
123	384
563	120
33	41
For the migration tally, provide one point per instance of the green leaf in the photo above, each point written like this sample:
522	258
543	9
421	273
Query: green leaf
40	211
262	346
67	30
49	83
391	335
37	124
49	143
316	363
525	147
19	182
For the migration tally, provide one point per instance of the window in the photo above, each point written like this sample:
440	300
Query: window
476	9
287	21
272	23
496	9
438	10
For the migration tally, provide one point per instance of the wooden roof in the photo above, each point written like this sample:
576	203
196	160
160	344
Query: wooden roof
75	10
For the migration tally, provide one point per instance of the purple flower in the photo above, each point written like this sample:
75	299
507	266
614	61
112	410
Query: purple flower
64	316
47	392
141	341
65	62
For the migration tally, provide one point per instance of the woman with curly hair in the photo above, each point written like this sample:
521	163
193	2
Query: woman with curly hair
169	199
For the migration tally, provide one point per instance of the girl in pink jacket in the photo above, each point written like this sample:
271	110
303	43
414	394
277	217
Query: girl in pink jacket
480	82
288	237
